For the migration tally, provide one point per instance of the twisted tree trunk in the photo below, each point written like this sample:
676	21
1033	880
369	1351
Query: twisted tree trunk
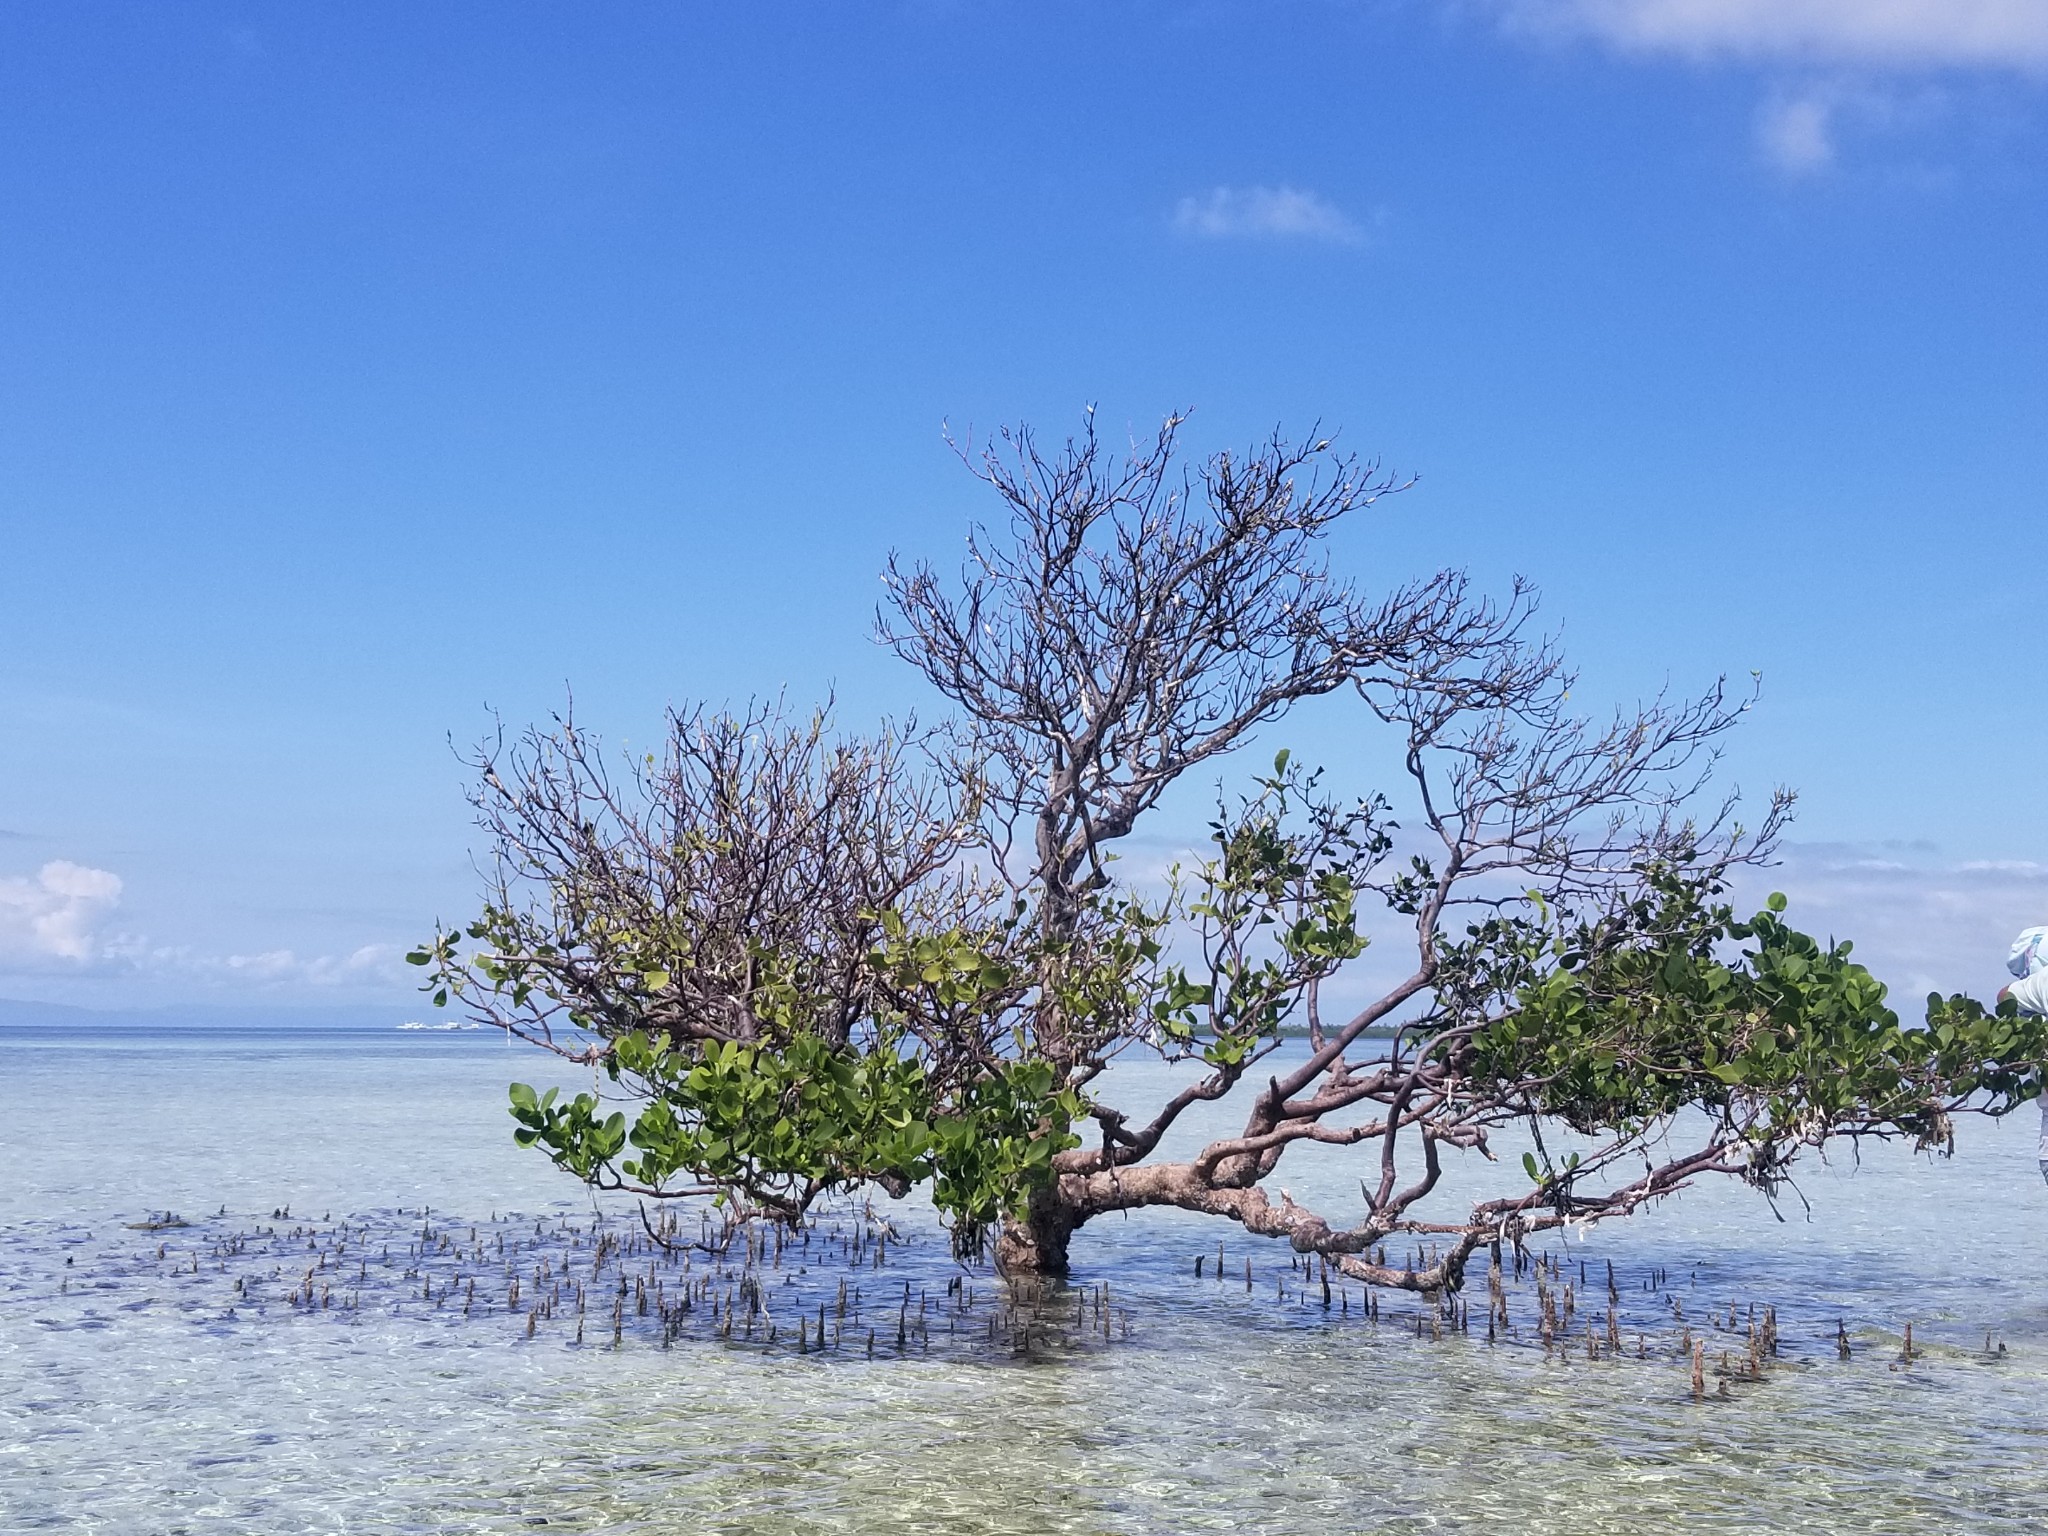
1037	1245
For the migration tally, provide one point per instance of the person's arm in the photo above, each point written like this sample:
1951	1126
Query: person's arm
2030	992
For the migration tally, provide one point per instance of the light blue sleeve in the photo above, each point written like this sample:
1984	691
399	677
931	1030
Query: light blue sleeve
2031	992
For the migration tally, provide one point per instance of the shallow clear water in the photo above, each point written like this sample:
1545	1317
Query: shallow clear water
209	1389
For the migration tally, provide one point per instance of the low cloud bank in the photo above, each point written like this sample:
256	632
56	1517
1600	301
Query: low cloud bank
1922	923
1835	71
56	926
1889	34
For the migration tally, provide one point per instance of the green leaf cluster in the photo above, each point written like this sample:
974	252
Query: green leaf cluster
785	1123
1277	907
1678	1005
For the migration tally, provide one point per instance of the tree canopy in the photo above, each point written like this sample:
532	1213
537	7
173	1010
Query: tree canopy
808	960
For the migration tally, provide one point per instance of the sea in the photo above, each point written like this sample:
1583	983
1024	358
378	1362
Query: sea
260	1279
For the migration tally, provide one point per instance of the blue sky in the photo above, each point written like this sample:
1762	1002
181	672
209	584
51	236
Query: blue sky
365	368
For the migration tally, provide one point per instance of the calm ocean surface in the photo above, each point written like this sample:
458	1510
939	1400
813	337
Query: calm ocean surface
356	1365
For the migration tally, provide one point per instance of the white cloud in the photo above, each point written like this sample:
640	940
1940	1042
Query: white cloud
1796	133
56	913
269	968
1912	34
371	962
1264	213
1839	70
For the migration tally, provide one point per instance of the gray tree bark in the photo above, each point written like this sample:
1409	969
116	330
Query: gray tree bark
1037	1245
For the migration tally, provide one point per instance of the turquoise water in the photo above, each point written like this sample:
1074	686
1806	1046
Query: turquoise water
181	1380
